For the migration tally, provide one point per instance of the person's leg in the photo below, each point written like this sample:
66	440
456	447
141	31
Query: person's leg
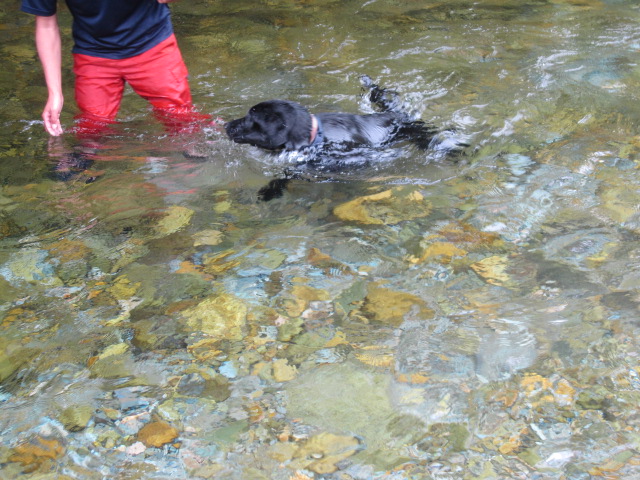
99	87
161	77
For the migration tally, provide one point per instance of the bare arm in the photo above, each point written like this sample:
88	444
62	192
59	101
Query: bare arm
49	49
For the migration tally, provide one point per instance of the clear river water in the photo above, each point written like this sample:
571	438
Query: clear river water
403	315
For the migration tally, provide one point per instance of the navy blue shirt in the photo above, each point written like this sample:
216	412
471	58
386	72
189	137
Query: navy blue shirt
111	28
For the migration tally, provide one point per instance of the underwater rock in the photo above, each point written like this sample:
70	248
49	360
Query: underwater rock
469	237
126	253
136	449
441	252
321	453
156	434
76	417
493	270
580	248
7	291
13	359
8	227
37	452
385	208
345	397
376	356
325	262
219	263
261	261
619	202
282	371
66	250
114	361
302	296
123	288
455	240
207	237
204	385
30	265
220	316
445	437
175	219
390	306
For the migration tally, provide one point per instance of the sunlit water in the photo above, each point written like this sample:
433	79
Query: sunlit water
413	316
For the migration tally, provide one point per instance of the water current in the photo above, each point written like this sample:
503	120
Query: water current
409	315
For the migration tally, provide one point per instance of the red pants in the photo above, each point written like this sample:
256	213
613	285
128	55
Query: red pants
159	75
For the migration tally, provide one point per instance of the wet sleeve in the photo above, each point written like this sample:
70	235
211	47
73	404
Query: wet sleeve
43	8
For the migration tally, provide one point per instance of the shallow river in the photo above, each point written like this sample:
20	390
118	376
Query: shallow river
402	315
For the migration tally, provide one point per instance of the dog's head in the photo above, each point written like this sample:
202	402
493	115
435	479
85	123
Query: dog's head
273	125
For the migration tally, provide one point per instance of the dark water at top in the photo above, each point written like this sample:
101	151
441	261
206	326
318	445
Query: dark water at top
416	316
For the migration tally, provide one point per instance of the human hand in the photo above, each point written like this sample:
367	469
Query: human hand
51	115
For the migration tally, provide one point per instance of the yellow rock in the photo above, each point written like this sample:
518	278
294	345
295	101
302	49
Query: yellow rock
316	257
620	202
456	240
218	264
156	434
564	393
123	288
340	338
283	452
282	371
509	446
440	251
222	206
187	266
416	378
205	350
36	452
221	316
534	383
68	250
207	237
470	237
493	270
115	349
321	453
375	356
302	295
175	219
390	306
385	208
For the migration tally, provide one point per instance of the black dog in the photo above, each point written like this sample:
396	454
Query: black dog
286	125
331	141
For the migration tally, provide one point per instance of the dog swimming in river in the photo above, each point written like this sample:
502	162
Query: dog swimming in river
283	125
332	140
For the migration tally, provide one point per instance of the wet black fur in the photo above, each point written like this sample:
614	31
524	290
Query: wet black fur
286	125
283	125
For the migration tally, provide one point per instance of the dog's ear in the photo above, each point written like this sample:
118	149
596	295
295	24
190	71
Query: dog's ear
299	130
